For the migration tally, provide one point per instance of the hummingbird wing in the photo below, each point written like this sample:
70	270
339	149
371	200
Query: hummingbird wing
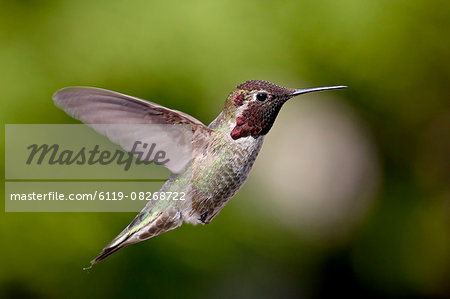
122	119
110	113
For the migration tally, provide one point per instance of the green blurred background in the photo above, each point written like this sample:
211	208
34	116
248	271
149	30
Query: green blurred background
374	159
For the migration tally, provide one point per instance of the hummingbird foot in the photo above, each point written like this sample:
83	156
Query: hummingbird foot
203	218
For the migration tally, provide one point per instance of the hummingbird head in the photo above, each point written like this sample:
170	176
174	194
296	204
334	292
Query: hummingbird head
256	103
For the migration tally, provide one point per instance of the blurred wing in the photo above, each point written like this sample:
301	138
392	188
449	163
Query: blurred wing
125	120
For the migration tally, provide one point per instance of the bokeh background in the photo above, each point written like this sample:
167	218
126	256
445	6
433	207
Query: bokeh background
350	194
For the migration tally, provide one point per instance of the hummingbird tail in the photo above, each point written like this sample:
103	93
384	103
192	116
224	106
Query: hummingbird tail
123	239
107	252
142	228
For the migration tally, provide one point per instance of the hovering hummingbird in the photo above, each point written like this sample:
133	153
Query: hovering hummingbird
222	153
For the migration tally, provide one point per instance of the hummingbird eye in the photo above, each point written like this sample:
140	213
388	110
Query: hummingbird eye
262	96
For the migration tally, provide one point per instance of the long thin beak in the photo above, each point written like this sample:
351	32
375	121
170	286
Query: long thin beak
307	90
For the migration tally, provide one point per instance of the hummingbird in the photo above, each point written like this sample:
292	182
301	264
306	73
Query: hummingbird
222	152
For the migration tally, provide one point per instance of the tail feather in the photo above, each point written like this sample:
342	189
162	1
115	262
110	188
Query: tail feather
140	230
124	238
107	252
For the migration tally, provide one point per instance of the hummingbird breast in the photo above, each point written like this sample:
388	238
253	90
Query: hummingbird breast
219	169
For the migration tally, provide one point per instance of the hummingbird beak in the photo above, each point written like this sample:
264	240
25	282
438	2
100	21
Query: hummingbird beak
307	90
